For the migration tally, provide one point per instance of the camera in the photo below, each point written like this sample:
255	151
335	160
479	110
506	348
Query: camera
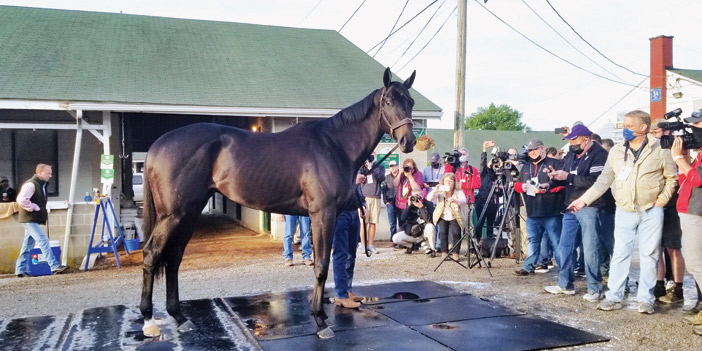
677	125
407	169
415	198
453	158
364	170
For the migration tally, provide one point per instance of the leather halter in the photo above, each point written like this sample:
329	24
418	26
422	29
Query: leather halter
384	118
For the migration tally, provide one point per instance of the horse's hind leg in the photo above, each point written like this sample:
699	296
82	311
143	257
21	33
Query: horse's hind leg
323	225
172	295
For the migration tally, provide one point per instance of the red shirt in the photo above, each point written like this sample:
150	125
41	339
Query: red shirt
687	183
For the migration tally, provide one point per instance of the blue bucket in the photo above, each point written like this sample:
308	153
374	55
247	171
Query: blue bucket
132	245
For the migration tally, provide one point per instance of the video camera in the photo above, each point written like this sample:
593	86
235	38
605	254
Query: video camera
453	158
502	161
688	139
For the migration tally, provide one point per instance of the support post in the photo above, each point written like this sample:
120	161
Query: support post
72	191
459	120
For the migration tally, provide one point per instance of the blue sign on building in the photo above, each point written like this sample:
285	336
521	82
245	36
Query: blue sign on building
656	94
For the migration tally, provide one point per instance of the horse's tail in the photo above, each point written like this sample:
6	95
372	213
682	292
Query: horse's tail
149	208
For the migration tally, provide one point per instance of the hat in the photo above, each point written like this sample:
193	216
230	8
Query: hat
534	144
392	163
696	117
435	157
578	130
4	179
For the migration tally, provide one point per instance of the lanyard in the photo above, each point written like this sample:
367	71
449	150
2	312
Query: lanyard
636	156
536	174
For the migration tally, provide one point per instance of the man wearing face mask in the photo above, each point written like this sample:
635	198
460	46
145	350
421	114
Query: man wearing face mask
642	177
543	203
371	180
579	170
432	174
466	175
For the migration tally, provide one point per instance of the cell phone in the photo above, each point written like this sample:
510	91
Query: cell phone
561	130
443	188
568	210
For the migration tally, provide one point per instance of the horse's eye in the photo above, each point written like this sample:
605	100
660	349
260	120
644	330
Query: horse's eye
388	102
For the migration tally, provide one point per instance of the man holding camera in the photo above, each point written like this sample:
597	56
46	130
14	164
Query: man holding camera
371	179
416	223
466	175
543	203
689	206
642	177
579	170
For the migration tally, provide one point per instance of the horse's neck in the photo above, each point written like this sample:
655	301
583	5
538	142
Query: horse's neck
358	139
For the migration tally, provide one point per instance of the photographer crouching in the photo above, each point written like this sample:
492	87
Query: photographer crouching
416	224
689	206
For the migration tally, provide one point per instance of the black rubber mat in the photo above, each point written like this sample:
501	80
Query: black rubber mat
401	291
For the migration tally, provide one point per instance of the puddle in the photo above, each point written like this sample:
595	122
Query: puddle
443	326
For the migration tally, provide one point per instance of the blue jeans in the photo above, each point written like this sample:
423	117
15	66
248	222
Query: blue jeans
290	224
393	218
536	228
648	226
605	222
547	251
344	255
33	234
585	222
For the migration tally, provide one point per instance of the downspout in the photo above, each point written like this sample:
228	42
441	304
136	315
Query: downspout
72	191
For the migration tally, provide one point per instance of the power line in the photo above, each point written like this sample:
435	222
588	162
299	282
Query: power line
393	27
543	48
420	33
430	39
598	51
569	43
309	13
353	14
402	26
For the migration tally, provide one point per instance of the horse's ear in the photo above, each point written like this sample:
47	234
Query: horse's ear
387	77
408	83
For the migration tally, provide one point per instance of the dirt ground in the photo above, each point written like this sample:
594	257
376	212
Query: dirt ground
225	260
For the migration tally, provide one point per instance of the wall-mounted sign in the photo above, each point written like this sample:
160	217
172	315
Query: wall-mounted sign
656	94
417	133
107	170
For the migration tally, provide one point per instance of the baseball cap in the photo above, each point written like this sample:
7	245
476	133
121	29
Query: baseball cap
392	163
576	131
534	144
696	117
435	157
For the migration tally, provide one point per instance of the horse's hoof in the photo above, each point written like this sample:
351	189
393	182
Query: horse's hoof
186	327
326	333
150	329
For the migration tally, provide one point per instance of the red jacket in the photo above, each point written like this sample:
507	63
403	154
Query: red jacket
469	181
690	184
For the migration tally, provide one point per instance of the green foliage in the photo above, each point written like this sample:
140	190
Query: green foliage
493	117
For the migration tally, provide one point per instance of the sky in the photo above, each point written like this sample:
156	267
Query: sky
502	66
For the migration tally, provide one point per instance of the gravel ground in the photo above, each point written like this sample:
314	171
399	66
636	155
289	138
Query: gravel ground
245	263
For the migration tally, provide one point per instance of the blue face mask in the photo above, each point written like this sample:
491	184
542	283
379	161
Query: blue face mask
628	134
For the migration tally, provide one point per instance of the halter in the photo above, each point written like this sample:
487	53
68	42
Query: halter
384	118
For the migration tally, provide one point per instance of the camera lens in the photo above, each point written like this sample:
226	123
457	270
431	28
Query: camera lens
407	168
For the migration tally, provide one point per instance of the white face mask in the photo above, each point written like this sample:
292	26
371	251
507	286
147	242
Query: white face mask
463	159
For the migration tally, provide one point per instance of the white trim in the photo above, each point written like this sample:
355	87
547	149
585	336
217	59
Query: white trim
71	126
185	109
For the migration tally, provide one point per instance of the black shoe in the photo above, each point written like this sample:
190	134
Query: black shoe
59	269
409	250
523	272
659	290
694	309
22	275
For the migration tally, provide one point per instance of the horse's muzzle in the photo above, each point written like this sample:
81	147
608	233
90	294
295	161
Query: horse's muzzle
407	143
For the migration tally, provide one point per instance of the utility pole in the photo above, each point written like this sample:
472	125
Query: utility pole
459	120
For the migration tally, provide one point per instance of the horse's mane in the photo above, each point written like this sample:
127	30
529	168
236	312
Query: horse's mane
352	114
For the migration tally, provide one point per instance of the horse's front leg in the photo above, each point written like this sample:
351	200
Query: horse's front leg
323	224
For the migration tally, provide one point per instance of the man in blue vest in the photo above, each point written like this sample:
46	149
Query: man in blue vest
32	200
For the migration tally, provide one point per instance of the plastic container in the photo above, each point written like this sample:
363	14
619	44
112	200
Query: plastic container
132	245
37	264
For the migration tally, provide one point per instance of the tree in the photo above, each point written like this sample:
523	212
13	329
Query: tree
493	117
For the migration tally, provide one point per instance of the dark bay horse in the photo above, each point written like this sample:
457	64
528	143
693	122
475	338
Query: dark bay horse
308	169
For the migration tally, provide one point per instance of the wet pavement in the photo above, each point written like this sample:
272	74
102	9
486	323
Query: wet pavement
417	315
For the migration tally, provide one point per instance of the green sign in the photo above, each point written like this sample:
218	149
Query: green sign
107	161
107	176
417	133
392	157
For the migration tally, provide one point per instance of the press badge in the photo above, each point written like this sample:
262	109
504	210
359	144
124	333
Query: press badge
369	179
624	173
530	188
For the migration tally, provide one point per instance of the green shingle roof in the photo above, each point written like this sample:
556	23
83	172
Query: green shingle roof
693	74
61	55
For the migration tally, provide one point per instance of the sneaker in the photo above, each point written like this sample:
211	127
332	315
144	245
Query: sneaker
523	272
646	308
555	289
372	249
694	319
542	269
308	262
455	256
694	309
21	275
697	330
659	290
580	274
671	298
592	296
669	286
609	305
59	269
288	263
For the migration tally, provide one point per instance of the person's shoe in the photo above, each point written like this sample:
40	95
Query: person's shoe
579	274
671	298
695	319
555	289
669	286
288	263
298	242
444	255
694	309
372	249
609	305
523	272
356	298
347	303
59	269
308	262
659	290
646	308
21	275
542	269
697	330
592	296
455	256
408	251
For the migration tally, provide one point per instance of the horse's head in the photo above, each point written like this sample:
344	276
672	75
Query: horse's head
395	106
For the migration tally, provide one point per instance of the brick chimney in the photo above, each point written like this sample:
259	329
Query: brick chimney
661	57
